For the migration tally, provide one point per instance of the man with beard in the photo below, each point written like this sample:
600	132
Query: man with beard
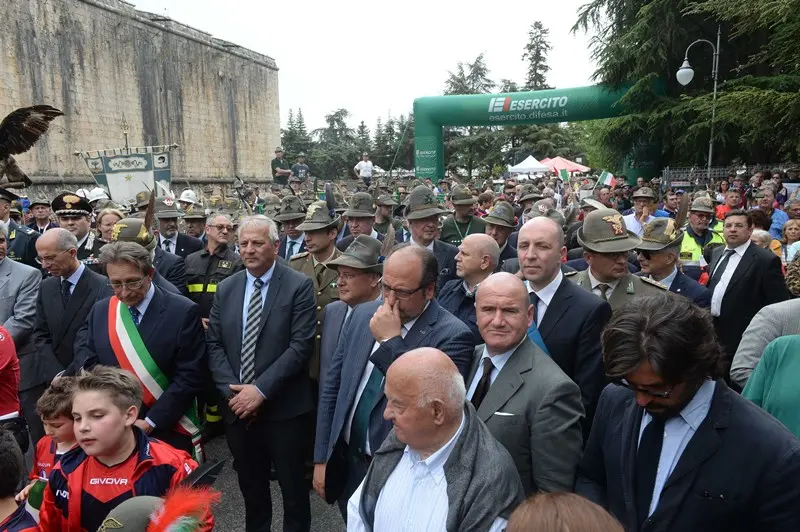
169	239
672	447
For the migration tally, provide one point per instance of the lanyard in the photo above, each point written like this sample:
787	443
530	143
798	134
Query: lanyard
459	230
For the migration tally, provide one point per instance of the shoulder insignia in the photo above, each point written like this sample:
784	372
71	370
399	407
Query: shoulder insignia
299	255
12	235
26	230
651	282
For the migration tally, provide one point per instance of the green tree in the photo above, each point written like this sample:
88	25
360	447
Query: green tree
335	150
363	140
536	54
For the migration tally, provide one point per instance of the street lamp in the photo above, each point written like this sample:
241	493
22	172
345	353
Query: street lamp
685	74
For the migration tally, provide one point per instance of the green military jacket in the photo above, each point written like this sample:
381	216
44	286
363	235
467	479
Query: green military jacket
383	227
454	232
627	288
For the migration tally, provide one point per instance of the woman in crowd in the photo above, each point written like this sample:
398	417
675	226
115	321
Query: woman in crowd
791	236
722	190
105	223
764	222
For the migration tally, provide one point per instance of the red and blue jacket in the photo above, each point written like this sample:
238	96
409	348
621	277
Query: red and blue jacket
81	491
19	521
45	458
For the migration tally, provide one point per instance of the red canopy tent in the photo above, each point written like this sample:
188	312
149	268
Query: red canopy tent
560	163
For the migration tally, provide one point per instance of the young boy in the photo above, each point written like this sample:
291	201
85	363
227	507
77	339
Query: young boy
114	459
13	516
55	409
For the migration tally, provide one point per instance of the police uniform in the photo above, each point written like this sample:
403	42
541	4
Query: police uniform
604	231
70	204
454	232
205	270
21	242
325	280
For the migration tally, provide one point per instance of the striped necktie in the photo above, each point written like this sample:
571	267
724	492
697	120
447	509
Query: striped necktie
254	309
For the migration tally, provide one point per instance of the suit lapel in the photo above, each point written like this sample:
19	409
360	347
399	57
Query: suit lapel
423	326
715	256
237	307
619	295
744	265
476	358
152	316
76	302
272	293
630	444
556	309
508	381
5	272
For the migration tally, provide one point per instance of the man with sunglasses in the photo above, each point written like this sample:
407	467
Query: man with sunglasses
606	243
698	235
658	256
155	334
672	447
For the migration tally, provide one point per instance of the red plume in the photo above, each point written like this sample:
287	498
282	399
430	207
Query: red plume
184	509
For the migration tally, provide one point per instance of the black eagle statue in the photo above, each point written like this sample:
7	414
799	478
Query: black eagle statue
19	131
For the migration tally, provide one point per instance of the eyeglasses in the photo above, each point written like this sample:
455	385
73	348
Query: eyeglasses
42	260
130	285
702	214
398	292
220	227
651	393
644	253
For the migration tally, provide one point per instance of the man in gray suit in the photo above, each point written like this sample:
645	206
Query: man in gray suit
359	280
350	424
260	339
19	287
772	321
527	402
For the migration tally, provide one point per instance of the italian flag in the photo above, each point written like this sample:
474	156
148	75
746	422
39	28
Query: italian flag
607	178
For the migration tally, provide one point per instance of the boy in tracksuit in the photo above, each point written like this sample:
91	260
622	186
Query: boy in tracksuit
114	461
13	517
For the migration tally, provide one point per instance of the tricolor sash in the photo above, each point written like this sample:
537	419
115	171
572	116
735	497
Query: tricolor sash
132	355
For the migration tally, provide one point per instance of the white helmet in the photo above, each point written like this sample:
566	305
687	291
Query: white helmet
82	192
97	193
188	196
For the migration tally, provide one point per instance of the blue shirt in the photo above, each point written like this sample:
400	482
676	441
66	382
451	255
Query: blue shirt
667	281
248	293
144	303
678	432
75	277
779	218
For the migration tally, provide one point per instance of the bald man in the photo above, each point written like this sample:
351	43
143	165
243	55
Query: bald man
439	468
478	256
569	320
62	305
528	403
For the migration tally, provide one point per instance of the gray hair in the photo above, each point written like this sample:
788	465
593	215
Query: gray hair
66	240
675	248
128	252
4	229
259	221
762	236
448	388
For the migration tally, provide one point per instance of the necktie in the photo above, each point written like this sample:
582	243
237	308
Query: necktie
290	249
168	246
483	384
603	287
65	284
535	302
254	309
318	270
647	458
721	268
369	397
135	315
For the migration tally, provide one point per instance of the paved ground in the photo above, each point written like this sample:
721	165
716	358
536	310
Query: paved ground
229	515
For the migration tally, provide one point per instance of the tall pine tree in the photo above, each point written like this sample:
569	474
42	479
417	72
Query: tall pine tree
536	54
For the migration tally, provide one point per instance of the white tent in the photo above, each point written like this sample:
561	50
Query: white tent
528	166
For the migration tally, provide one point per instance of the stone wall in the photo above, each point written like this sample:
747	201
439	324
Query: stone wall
103	63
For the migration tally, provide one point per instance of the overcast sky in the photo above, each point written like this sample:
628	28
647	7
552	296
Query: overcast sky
373	58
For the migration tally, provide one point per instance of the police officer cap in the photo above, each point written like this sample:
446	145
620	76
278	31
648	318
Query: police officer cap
8	195
70	204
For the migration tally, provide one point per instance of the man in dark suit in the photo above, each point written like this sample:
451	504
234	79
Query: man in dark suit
526	401
500	222
292	214
167	329
64	301
172	269
659	255
360	220
423	215
568	319
672	447
350	425
744	278
260	342
169	239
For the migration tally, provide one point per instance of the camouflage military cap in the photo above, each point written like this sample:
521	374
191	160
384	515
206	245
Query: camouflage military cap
461	195
645	192
292	208
604	231
167	207
660	233
502	213
422	203
703	204
363	253
133	230
360	206
386	200
529	192
318	217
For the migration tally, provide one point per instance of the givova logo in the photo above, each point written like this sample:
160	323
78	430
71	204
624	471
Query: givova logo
499	105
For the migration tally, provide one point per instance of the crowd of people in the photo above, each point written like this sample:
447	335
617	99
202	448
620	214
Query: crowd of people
425	356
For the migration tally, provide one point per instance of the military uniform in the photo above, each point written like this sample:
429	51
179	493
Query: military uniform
204	271
383	227
452	231
604	231
22	244
325	280
69	204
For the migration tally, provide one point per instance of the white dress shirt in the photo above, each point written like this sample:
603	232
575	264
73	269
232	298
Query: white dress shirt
429	246
595	283
173	244
498	361
722	285
363	384
678	431
414	498
545	295
75	277
633	224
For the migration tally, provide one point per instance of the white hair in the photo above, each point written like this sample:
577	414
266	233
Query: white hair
762	236
4	229
449	388
260	221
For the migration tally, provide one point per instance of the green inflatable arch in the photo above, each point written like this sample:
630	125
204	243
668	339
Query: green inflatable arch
536	107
